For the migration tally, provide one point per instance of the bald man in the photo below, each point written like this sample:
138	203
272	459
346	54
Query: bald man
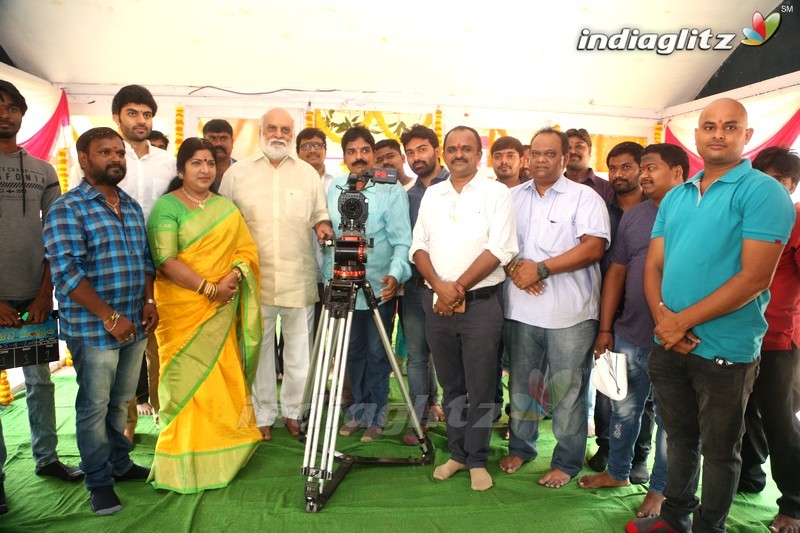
714	247
281	199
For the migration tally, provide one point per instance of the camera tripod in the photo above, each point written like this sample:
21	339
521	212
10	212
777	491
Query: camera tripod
321	424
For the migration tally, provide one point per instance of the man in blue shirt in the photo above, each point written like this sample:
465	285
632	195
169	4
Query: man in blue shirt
387	267
103	276
715	244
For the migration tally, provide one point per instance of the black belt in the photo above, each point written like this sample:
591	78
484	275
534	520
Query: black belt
482	293
417	282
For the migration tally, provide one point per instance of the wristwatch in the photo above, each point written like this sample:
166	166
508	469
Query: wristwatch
543	271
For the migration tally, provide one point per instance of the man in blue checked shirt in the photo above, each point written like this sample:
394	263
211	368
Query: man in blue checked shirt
103	276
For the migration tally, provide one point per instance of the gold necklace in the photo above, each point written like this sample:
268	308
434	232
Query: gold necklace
200	203
114	206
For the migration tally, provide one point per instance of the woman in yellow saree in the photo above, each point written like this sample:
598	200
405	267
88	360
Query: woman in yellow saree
209	332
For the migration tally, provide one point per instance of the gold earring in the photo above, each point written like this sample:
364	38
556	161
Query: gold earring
180	176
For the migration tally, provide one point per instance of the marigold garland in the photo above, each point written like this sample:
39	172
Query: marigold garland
323	125
309	116
5	389
68	359
178	127
61	169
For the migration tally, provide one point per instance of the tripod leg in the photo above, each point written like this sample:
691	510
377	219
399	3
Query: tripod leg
318	380
387	346
321	334
337	385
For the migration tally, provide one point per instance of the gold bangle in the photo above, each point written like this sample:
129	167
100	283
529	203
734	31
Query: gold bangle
239	275
202	287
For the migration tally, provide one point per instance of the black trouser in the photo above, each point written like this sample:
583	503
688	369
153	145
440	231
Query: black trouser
700	401
772	428
464	348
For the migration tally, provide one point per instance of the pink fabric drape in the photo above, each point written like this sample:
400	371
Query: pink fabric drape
786	136
41	144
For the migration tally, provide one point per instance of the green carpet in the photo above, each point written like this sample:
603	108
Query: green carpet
268	493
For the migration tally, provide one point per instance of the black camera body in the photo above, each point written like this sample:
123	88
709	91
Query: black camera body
350	249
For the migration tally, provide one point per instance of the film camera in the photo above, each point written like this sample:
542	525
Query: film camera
350	249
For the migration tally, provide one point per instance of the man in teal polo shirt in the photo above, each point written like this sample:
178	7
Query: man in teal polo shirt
714	248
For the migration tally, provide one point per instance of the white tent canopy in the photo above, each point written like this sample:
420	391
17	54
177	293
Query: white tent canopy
514	65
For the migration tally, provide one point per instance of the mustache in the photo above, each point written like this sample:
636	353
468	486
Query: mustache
220	150
458	160
115	165
359	162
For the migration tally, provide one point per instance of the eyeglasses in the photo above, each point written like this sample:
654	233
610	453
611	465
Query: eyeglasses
315	146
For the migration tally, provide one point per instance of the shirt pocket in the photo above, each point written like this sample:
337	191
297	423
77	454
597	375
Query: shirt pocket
297	204
556	237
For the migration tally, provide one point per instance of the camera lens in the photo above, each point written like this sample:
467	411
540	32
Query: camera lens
352	209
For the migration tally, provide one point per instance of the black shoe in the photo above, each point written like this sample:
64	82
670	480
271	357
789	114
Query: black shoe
61	471
599	461
3	505
134	473
104	501
639	474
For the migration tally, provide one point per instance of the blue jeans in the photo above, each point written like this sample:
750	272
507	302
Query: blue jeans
700	401
106	383
421	375
626	414
568	352
368	368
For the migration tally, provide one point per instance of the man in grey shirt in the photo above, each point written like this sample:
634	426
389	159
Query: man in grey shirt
28	187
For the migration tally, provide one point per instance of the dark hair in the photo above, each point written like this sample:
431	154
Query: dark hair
357	132
388	143
85	140
466	128
188	148
133	94
672	155
782	160
156	135
561	135
507	143
580	132
16	97
418	131
310	133
627	147
217	125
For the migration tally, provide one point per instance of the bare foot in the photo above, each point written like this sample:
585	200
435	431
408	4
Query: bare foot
435	413
511	463
266	432
447	470
651	506
481	480
785	524
554	479
601	481
144	408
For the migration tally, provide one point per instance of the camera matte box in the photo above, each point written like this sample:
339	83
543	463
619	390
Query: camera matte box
29	345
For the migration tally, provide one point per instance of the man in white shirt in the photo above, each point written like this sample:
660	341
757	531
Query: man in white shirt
149	173
563	231
465	233
281	199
